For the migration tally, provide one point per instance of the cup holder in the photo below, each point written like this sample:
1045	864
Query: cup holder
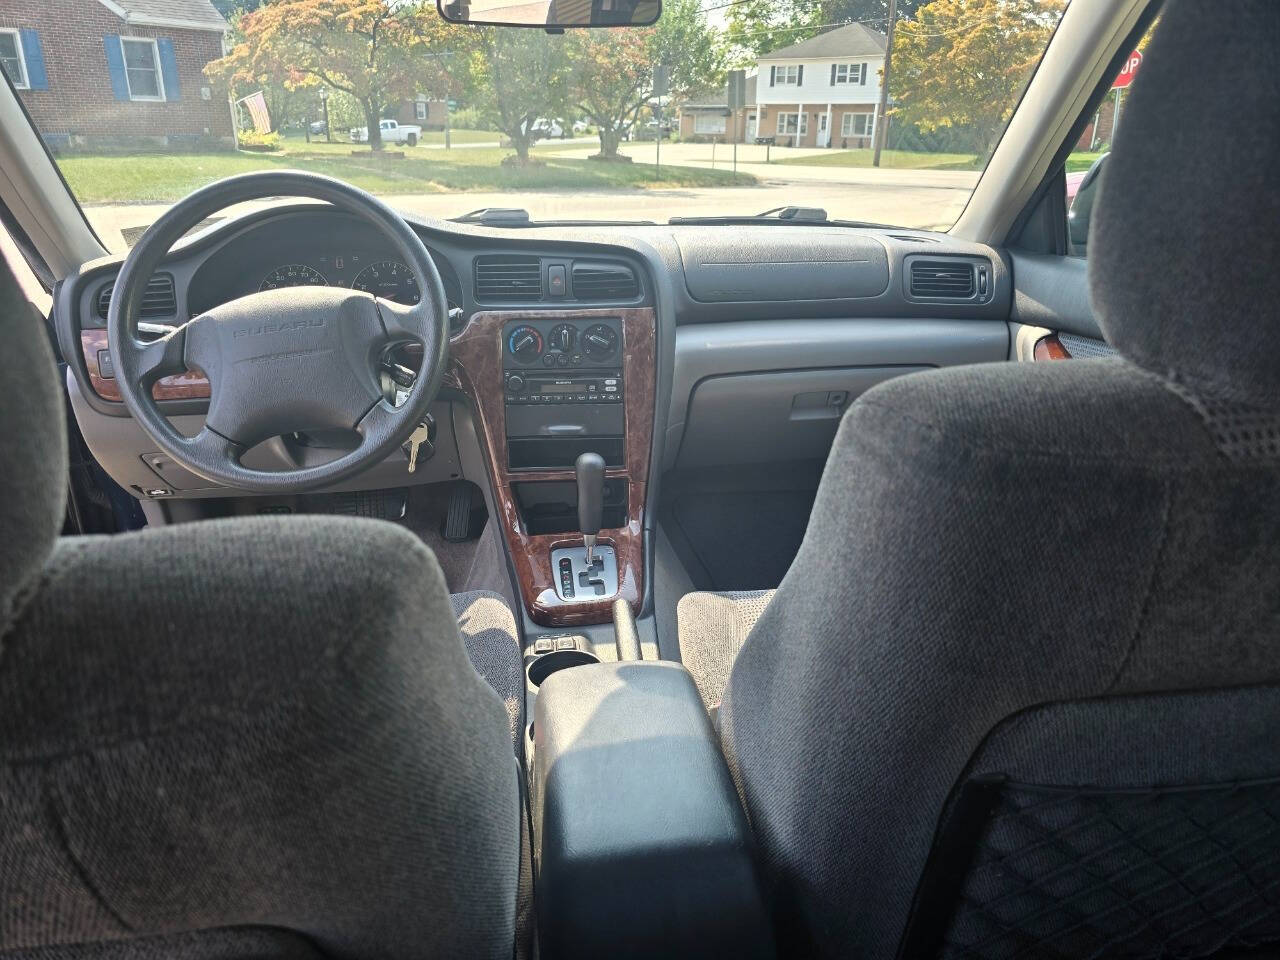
547	664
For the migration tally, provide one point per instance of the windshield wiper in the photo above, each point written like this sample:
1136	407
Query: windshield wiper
783	216
516	217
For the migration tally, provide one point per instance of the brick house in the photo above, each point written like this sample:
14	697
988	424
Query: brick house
427	113
707	117
104	74
824	91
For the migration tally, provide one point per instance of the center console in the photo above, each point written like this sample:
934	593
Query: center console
548	387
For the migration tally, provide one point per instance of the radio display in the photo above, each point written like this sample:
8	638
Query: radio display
559	388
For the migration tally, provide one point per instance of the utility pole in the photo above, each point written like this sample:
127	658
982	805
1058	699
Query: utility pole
881	124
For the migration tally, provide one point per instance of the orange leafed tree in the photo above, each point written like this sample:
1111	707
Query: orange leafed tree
613	77
964	62
378	52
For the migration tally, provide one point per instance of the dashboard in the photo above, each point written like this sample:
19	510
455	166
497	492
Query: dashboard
307	250
659	347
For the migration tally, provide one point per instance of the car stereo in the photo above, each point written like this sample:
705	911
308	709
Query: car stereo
599	387
562	387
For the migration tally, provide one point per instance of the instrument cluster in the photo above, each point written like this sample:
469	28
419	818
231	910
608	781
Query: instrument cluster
386	278
312	249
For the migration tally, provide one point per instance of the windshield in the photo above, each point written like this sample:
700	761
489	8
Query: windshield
723	108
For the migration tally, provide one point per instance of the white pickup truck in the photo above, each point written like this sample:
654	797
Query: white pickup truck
392	132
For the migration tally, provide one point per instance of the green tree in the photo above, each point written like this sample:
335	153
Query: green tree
963	63
761	26
377	51
519	75
612	70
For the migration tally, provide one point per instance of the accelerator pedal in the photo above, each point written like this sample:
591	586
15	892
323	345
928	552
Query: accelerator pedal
457	519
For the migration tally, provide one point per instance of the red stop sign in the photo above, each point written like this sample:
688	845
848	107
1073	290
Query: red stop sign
1128	71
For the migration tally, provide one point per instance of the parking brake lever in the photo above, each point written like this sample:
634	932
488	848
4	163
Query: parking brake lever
589	469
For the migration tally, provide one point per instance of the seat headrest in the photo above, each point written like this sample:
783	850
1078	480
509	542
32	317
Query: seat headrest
1184	247
33	447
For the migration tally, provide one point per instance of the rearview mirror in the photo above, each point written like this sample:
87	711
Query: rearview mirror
556	14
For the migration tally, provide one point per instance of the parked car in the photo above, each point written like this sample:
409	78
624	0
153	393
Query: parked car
317	128
392	132
580	127
650	131
548	129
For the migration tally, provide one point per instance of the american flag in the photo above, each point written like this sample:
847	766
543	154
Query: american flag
256	104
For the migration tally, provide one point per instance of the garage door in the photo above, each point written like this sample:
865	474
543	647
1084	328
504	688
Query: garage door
708	123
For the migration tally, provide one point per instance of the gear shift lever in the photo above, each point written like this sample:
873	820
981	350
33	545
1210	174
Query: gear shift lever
590	472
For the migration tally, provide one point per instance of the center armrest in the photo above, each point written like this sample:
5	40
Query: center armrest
641	844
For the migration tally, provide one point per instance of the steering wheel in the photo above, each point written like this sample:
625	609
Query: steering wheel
280	361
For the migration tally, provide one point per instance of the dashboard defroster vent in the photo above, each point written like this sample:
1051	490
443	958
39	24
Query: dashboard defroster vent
502	277
158	301
943	279
604	281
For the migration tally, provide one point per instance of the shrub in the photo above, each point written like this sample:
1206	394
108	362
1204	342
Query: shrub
468	118
257	142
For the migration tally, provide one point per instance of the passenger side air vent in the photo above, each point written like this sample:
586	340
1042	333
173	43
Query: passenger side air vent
604	281
508	278
943	279
158	301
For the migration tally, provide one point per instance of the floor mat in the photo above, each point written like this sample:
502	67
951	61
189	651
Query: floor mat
741	541
425	515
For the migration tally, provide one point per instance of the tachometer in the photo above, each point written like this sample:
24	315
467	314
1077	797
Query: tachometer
293	275
389	279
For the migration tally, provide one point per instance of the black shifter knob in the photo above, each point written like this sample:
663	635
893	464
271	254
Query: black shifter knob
590	471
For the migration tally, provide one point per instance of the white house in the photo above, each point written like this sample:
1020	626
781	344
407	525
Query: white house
824	91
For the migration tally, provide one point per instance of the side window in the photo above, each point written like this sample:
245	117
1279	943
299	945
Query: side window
1089	153
11	59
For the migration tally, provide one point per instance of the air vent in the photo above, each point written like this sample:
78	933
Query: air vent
508	278
604	281
912	238
942	279
157	302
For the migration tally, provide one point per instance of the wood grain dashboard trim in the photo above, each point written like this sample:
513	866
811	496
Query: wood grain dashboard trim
192	385
476	369
1049	348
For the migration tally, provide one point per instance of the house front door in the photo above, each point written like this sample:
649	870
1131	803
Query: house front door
824	135
751	127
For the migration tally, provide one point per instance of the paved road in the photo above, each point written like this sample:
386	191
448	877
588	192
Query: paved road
752	160
906	198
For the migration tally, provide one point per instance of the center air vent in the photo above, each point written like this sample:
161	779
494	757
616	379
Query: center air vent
508	278
604	281
158	301
943	279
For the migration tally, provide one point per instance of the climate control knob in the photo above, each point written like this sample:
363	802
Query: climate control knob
515	383
525	343
599	342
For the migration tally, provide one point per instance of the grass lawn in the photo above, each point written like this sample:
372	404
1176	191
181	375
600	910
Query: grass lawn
156	178
1078	162
893	159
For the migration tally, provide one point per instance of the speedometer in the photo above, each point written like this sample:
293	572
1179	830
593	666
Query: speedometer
293	275
389	279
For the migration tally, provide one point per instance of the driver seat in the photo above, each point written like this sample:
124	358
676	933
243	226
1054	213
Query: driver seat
250	737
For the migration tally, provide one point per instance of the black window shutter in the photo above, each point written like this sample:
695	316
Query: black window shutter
800	76
833	75
863	78
773	75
